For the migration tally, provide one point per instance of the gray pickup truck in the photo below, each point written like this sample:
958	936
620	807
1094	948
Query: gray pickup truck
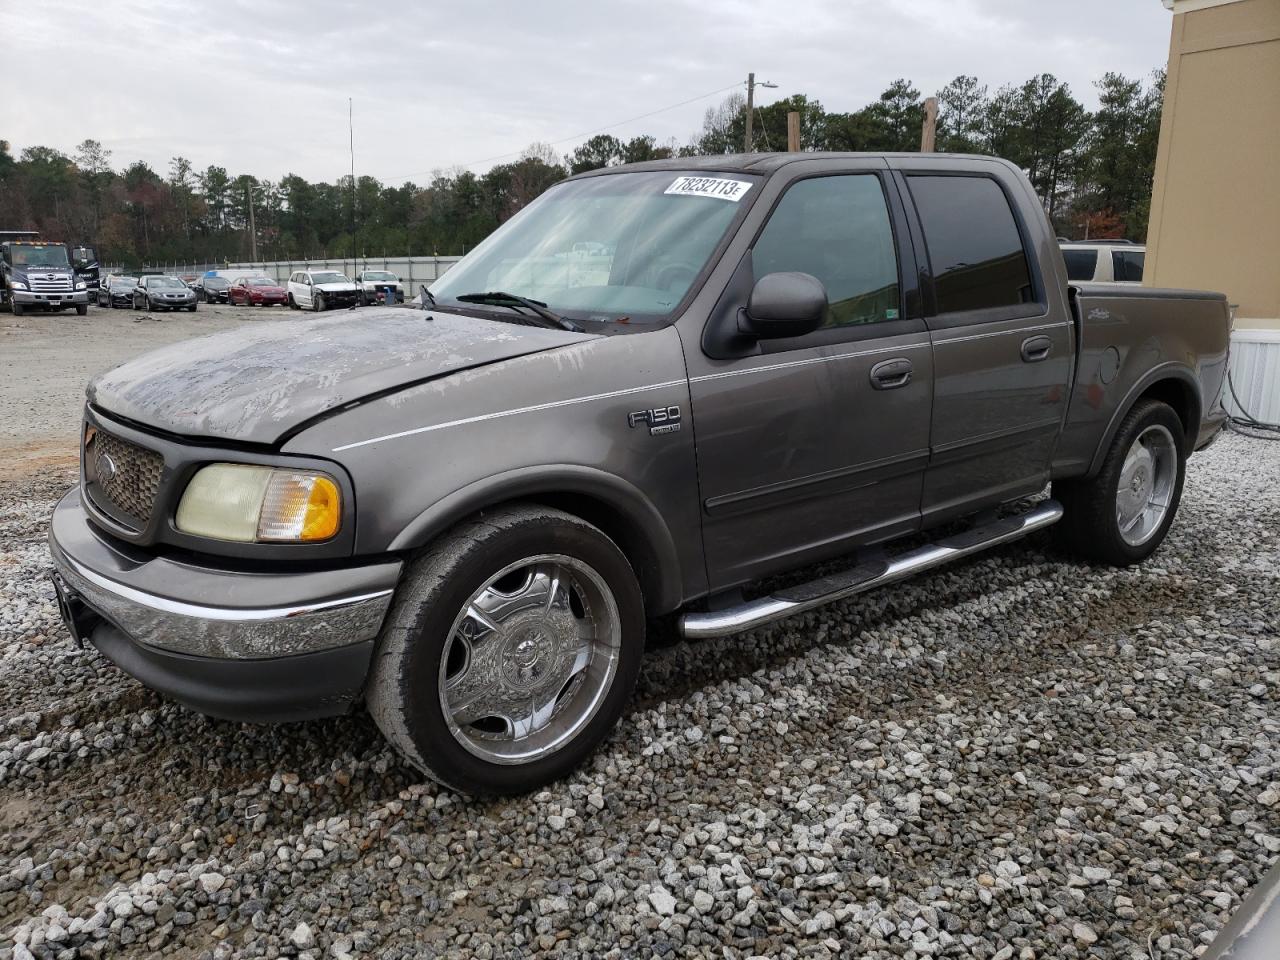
653	389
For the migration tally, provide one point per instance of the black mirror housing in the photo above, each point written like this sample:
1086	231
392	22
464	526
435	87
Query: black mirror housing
784	305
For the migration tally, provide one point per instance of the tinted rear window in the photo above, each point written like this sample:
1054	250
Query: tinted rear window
1128	264
1081	264
975	250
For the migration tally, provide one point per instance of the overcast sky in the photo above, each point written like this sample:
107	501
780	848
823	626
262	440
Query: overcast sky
261	86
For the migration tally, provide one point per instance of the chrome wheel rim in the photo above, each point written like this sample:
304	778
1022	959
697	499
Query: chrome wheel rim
529	659
1147	479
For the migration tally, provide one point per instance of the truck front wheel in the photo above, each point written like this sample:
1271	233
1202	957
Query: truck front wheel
1124	513
82	309
510	651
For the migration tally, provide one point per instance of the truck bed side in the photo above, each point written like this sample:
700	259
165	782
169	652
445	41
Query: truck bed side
1142	341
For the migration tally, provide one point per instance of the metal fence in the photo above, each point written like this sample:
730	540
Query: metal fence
412	271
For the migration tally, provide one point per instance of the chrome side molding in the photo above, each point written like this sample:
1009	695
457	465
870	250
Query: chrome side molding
868	576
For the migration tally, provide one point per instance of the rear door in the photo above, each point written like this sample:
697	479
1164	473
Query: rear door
808	447
1003	344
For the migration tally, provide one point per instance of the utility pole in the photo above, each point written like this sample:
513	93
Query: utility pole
351	137
253	230
793	132
929	131
751	107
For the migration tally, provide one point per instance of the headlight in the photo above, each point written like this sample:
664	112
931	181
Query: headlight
245	503
81	285
17	284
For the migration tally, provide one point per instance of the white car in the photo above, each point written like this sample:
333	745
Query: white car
374	285
1104	261
321	290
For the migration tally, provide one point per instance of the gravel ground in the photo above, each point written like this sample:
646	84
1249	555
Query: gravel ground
1017	757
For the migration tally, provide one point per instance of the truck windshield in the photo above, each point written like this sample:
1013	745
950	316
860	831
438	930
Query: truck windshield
624	246
31	255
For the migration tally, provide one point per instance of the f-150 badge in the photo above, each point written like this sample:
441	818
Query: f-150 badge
659	420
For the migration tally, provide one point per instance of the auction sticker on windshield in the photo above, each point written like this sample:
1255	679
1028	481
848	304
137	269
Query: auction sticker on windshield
717	187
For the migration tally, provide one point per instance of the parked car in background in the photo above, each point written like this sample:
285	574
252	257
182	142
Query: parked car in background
321	290
379	286
212	289
116	291
160	292
1104	261
465	518
256	292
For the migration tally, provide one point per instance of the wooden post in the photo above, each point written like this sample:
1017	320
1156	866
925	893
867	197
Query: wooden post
929	131
751	109
793	132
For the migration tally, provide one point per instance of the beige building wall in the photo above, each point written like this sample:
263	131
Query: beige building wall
1215	207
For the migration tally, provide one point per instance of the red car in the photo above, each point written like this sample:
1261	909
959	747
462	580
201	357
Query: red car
256	292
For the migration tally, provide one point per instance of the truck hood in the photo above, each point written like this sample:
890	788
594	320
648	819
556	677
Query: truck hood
340	286
256	384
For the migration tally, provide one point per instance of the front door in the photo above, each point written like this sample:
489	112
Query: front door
811	446
1003	349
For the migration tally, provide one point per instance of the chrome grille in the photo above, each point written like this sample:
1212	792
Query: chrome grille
49	283
133	483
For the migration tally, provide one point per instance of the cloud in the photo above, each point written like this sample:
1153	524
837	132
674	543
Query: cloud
262	87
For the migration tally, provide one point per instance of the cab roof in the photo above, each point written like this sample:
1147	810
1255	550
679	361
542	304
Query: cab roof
763	163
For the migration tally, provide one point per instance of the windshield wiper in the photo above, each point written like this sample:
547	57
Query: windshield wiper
500	299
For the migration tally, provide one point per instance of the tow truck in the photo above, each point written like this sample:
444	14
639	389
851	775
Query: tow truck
37	274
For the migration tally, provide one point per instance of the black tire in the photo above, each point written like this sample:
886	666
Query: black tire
17	308
317	302
192	308
291	304
403	693
82	309
1089	527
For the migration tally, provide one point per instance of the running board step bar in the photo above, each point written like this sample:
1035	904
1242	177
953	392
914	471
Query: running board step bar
867	576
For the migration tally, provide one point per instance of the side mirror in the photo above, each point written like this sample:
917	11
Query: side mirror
784	305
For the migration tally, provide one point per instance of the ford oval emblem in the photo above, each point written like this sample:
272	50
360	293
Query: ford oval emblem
106	467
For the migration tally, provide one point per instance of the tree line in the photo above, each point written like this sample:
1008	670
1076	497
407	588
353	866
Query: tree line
1092	170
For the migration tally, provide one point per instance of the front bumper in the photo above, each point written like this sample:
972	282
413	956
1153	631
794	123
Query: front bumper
28	298
234	643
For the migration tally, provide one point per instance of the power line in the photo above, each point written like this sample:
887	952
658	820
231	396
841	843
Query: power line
578	136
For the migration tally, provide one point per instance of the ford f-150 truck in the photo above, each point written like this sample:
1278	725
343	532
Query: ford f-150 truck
464	516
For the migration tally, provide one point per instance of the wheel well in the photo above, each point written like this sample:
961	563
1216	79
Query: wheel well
619	528
1178	395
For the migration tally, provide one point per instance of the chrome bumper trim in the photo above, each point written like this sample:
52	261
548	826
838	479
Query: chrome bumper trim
224	613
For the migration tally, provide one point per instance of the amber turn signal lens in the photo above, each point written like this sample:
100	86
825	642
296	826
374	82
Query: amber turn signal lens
300	507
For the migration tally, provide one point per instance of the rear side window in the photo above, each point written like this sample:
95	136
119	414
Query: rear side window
837	229
975	250
1128	264
1081	264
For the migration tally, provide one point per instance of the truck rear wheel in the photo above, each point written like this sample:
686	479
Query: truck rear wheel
510	651
1122	515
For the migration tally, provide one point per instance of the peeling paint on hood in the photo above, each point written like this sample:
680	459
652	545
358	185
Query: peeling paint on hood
255	384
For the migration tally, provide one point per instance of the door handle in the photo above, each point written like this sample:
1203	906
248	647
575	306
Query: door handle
891	374
1035	349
